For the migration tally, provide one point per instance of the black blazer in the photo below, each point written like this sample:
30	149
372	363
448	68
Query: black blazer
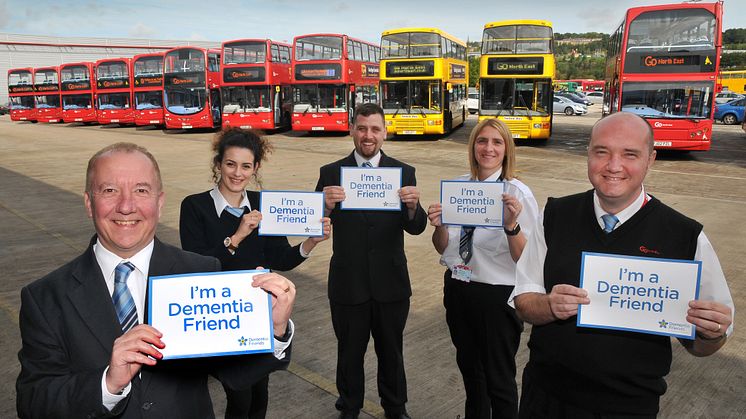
368	262
203	232
68	327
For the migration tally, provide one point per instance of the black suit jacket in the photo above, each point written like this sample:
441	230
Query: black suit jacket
203	232
68	327
368	262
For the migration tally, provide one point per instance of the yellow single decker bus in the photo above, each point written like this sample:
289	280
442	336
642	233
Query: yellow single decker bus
516	71
734	81
423	81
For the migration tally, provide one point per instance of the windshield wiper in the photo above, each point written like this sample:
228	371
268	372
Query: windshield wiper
400	107
307	109
525	106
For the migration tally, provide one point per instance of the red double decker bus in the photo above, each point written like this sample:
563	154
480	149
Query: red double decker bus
47	89
255	81
21	94
147	70
662	64
191	93
331	74
114	91
77	89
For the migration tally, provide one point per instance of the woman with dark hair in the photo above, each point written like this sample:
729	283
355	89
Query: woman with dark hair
481	275
223	221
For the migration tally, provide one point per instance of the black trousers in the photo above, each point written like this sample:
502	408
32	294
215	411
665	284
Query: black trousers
353	326
486	333
538	404
250	403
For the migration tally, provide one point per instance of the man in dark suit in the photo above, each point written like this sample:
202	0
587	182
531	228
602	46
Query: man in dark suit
80	356
369	285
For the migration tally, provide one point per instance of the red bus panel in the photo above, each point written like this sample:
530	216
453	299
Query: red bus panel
47	90
328	70
662	65
255	83
77	90
191	95
21	94
147	71
114	91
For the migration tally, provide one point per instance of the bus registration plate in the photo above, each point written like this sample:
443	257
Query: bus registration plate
409	132
185	126
317	128
517	136
154	121
662	144
114	120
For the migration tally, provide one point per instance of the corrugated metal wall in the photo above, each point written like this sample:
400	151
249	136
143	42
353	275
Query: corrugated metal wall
58	50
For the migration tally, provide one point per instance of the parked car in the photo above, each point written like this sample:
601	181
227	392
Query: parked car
4	109
595	97
731	113
567	106
725	97
472	102
574	97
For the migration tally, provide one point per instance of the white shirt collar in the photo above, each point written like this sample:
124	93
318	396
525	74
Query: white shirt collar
622	215
108	261
374	161
493	177
220	202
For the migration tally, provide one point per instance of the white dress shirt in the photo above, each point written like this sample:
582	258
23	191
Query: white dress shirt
530	267
491	262
374	161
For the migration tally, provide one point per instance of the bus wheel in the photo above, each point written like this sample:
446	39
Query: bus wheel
730	119
569	111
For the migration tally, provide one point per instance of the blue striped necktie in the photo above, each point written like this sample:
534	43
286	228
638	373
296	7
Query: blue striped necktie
124	304
610	221
465	242
367	164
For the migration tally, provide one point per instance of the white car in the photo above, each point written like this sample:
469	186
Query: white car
568	107
725	97
595	97
472	102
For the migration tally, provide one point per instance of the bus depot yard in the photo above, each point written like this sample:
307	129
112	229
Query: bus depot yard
44	225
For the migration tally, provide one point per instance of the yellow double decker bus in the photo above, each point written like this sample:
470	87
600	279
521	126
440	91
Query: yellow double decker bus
423	81
516	71
734	81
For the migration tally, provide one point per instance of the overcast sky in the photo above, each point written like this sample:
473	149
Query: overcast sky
211	20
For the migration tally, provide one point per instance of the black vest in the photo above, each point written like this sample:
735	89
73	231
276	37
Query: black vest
605	371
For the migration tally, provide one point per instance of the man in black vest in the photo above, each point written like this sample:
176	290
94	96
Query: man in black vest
597	373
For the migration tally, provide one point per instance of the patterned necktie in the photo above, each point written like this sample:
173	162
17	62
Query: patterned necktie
366	164
124	304
464	245
609	222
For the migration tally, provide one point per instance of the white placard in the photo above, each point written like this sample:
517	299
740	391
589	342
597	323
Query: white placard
210	314
291	213
371	188
639	294
472	203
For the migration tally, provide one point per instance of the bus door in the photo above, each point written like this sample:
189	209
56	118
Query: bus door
277	106
215	107
352	103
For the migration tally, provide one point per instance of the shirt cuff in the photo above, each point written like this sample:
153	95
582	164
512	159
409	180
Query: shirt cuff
280	346
110	400
302	253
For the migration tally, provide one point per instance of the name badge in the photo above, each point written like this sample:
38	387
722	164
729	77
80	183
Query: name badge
461	272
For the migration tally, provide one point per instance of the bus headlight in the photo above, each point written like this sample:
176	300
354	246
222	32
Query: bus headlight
537	126
430	122
389	123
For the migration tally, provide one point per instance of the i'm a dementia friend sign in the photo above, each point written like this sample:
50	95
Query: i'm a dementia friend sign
375	188
639	294
472	203
210	314
286	213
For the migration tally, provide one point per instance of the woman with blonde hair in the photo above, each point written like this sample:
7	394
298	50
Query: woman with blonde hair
481	275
